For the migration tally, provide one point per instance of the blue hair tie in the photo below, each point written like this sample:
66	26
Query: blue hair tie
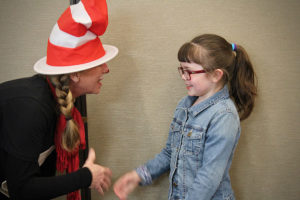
233	47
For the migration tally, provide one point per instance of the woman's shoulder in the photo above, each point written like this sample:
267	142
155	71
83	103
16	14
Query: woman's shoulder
33	89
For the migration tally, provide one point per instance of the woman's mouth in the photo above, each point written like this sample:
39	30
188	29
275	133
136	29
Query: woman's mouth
99	81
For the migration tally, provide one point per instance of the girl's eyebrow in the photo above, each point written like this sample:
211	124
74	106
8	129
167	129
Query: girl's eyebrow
184	67
187	68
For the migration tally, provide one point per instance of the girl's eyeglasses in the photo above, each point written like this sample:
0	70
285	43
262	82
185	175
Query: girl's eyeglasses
187	73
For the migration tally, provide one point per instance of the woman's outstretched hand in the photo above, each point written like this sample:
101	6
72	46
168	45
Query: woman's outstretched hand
126	184
101	176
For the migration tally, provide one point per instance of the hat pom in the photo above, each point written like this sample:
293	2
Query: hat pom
100	21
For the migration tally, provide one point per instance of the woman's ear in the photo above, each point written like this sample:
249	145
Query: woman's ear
75	77
217	75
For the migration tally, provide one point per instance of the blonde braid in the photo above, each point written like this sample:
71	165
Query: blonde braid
70	136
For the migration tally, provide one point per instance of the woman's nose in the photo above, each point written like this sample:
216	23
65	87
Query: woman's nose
105	68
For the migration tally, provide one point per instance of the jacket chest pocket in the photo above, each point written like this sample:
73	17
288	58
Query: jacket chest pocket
175	136
193	142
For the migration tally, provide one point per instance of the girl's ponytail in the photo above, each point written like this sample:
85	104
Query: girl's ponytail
243	83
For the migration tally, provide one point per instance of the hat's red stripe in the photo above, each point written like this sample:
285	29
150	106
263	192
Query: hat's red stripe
97	10
67	24
63	56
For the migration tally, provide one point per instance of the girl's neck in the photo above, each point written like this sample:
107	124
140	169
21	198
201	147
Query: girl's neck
209	94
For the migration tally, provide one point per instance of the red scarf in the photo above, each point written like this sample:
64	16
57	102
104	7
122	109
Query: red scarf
68	161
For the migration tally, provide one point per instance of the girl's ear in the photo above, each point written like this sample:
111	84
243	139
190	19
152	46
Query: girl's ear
217	75
75	77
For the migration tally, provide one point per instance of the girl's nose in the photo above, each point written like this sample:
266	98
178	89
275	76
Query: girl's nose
183	77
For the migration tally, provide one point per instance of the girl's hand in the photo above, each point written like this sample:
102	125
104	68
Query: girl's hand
101	176
126	184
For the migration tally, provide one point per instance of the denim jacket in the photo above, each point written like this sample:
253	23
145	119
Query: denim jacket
199	150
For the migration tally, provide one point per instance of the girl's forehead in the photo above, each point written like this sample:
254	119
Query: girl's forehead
191	65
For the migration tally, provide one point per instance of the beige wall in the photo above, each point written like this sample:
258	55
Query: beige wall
129	120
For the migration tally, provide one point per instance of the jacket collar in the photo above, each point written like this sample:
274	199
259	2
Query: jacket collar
195	110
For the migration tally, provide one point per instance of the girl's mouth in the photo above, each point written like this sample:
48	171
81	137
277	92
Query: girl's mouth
188	86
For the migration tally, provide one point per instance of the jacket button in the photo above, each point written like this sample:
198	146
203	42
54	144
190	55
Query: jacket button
189	134
174	184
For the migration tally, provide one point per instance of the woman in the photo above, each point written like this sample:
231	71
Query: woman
37	114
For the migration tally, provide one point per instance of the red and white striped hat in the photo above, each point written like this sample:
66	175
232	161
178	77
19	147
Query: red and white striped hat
74	44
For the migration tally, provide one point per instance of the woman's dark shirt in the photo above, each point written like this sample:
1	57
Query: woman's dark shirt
28	114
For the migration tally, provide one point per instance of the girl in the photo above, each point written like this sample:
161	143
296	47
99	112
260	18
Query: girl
220	82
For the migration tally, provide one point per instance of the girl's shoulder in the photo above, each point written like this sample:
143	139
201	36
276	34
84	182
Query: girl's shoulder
225	106
224	110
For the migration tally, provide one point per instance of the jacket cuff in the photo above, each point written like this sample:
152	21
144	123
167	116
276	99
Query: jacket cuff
144	174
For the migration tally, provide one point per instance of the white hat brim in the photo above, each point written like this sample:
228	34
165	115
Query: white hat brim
42	67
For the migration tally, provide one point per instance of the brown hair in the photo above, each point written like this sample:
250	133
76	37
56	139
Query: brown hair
214	52
70	136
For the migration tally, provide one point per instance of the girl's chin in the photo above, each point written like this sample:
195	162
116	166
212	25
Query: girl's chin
191	93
